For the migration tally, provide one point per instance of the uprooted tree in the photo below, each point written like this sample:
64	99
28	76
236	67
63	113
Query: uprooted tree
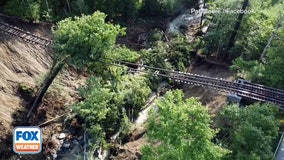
83	42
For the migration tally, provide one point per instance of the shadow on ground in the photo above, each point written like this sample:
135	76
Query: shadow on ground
20	119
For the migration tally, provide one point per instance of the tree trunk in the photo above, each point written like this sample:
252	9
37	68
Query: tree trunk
236	28
263	54
220	48
201	19
47	82
47	6
211	41
29	5
68	5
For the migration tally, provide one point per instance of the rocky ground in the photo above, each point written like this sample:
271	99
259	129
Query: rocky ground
23	63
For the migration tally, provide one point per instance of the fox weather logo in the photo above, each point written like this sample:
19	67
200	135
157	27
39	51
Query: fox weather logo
27	140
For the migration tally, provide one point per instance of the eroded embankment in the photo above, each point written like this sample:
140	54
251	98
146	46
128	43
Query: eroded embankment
19	63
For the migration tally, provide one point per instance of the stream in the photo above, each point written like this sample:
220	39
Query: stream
185	19
188	18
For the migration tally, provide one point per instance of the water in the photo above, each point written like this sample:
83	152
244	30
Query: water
143	115
185	19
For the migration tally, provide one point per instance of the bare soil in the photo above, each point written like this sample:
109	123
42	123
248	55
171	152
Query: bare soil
211	98
24	63
137	35
21	62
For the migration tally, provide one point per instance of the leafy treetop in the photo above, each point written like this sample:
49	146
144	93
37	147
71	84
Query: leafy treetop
181	130
85	39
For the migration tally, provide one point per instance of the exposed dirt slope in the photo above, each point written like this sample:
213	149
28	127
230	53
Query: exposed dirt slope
209	97
19	62
22	62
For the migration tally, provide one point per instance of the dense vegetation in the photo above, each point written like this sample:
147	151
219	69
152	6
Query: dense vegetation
106	109
254	46
125	10
86	42
180	128
248	132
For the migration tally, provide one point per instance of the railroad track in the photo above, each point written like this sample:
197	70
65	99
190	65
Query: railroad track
248	90
27	36
242	88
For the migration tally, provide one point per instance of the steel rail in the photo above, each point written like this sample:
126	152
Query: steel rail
27	36
245	89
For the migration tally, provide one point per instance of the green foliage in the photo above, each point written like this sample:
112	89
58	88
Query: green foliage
156	36
164	7
27	9
125	124
258	27
125	10
271	71
98	109
125	54
180	129
254	31
253	36
179	53
118	10
26	91
106	109
174	54
249	131
250	70
134	91
86	40
274	65
220	27
114	73
55	10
